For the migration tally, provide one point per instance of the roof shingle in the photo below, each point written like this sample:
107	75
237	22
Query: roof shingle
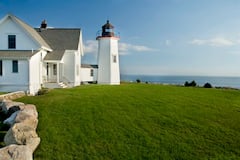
60	39
20	54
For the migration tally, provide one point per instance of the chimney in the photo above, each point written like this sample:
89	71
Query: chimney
44	24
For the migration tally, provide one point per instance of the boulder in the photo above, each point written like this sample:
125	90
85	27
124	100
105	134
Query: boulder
15	152
12	110
27	119
11	120
19	133
5	105
30	109
33	143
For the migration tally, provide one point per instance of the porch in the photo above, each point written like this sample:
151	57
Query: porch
53	75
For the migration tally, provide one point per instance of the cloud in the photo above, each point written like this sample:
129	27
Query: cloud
91	46
216	42
125	48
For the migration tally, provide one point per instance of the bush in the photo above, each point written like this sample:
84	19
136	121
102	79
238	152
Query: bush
192	84
138	81
207	85
186	84
42	91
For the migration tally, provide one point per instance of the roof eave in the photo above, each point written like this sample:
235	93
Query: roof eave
48	49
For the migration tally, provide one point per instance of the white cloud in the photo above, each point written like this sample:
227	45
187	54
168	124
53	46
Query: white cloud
125	48
216	42
91	46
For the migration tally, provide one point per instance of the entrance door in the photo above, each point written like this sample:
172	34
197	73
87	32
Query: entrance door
52	72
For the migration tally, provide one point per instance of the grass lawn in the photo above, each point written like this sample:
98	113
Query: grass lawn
138	121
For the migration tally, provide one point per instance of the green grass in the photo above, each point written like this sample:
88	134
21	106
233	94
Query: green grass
138	121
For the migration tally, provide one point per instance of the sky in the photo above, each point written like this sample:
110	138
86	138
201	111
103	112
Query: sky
157	37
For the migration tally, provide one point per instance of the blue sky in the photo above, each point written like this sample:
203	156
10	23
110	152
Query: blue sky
158	37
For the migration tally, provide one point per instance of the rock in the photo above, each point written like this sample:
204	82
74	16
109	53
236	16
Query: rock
19	133
33	143
27	119
16	152
21	139
11	120
12	110
5	105
30	109
13	95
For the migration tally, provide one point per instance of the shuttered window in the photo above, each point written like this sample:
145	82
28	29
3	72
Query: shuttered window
15	66
11	41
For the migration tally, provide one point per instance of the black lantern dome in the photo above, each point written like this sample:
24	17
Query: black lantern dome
107	30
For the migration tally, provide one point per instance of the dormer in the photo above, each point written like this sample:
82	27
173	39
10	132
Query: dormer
17	35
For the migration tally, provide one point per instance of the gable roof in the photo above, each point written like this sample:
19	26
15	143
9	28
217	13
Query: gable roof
60	39
30	31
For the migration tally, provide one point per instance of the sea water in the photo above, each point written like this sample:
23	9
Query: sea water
232	82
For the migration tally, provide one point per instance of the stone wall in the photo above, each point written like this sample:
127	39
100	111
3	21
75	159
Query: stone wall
21	139
13	95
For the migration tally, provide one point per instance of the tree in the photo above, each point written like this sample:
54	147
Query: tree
193	84
186	84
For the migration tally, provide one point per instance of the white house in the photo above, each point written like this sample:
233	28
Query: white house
31	58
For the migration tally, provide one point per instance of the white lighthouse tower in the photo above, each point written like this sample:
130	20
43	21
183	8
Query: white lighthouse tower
108	58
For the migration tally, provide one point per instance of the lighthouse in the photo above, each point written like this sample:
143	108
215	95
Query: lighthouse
108	58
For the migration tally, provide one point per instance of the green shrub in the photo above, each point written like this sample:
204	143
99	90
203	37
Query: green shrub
42	91
191	84
207	85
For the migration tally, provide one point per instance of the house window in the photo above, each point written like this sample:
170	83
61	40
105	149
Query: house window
11	41
114	59
15	66
54	69
1	68
91	73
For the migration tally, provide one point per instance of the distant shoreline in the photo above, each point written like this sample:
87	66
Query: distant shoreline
215	81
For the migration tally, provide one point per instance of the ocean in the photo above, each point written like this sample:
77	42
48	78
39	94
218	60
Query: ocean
232	82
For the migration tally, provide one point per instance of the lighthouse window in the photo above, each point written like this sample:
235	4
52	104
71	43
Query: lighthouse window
114	59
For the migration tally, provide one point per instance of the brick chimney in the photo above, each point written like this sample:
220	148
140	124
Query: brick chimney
44	24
